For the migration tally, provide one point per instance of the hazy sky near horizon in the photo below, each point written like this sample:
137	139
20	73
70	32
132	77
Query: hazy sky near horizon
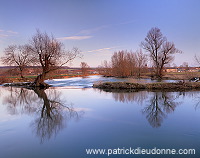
101	27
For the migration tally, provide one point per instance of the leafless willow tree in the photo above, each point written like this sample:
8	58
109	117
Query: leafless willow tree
141	62
197	59
105	69
123	63
84	68
18	56
161	51
50	53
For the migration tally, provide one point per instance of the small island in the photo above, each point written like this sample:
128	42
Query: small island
174	86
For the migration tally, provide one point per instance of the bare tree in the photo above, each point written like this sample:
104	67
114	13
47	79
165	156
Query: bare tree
141	62
105	69
123	63
185	64
84	68
48	52
197	59
185	68
119	64
17	56
131	63
161	51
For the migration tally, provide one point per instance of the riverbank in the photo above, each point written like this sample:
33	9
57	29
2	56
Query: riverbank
28	82
179	86
17	79
168	76
73	82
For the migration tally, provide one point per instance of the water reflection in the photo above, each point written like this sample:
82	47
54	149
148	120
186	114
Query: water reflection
21	101
196	97
157	105
126	97
51	112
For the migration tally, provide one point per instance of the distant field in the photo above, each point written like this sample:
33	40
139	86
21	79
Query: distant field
182	75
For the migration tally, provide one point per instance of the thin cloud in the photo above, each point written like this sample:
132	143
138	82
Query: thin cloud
100	50
83	34
74	38
96	29
12	32
7	33
92	30
127	22
2	35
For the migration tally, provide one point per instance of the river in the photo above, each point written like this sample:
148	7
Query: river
71	117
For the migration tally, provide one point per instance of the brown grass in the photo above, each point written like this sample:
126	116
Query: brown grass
149	86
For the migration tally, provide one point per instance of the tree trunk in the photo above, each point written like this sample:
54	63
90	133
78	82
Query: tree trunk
161	71
39	81
158	72
21	72
46	109
21	75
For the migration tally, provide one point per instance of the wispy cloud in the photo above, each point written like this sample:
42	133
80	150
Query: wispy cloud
96	29
92	30
11	32
7	33
74	38
3	35
102	49
127	22
83	34
86	33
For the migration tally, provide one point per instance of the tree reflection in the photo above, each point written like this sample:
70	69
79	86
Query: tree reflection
196	98
50	110
157	104
20	101
126	97
161	104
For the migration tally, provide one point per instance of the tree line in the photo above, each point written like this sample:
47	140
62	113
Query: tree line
127	63
46	51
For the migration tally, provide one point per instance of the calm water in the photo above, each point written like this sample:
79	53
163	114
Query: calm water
63	122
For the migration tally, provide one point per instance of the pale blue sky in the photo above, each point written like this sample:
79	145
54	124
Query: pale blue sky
100	27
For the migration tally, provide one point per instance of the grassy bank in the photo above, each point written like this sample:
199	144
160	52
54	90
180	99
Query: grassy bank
15	79
148	86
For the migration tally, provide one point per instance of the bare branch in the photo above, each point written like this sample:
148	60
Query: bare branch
48	52
17	56
161	51
197	59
